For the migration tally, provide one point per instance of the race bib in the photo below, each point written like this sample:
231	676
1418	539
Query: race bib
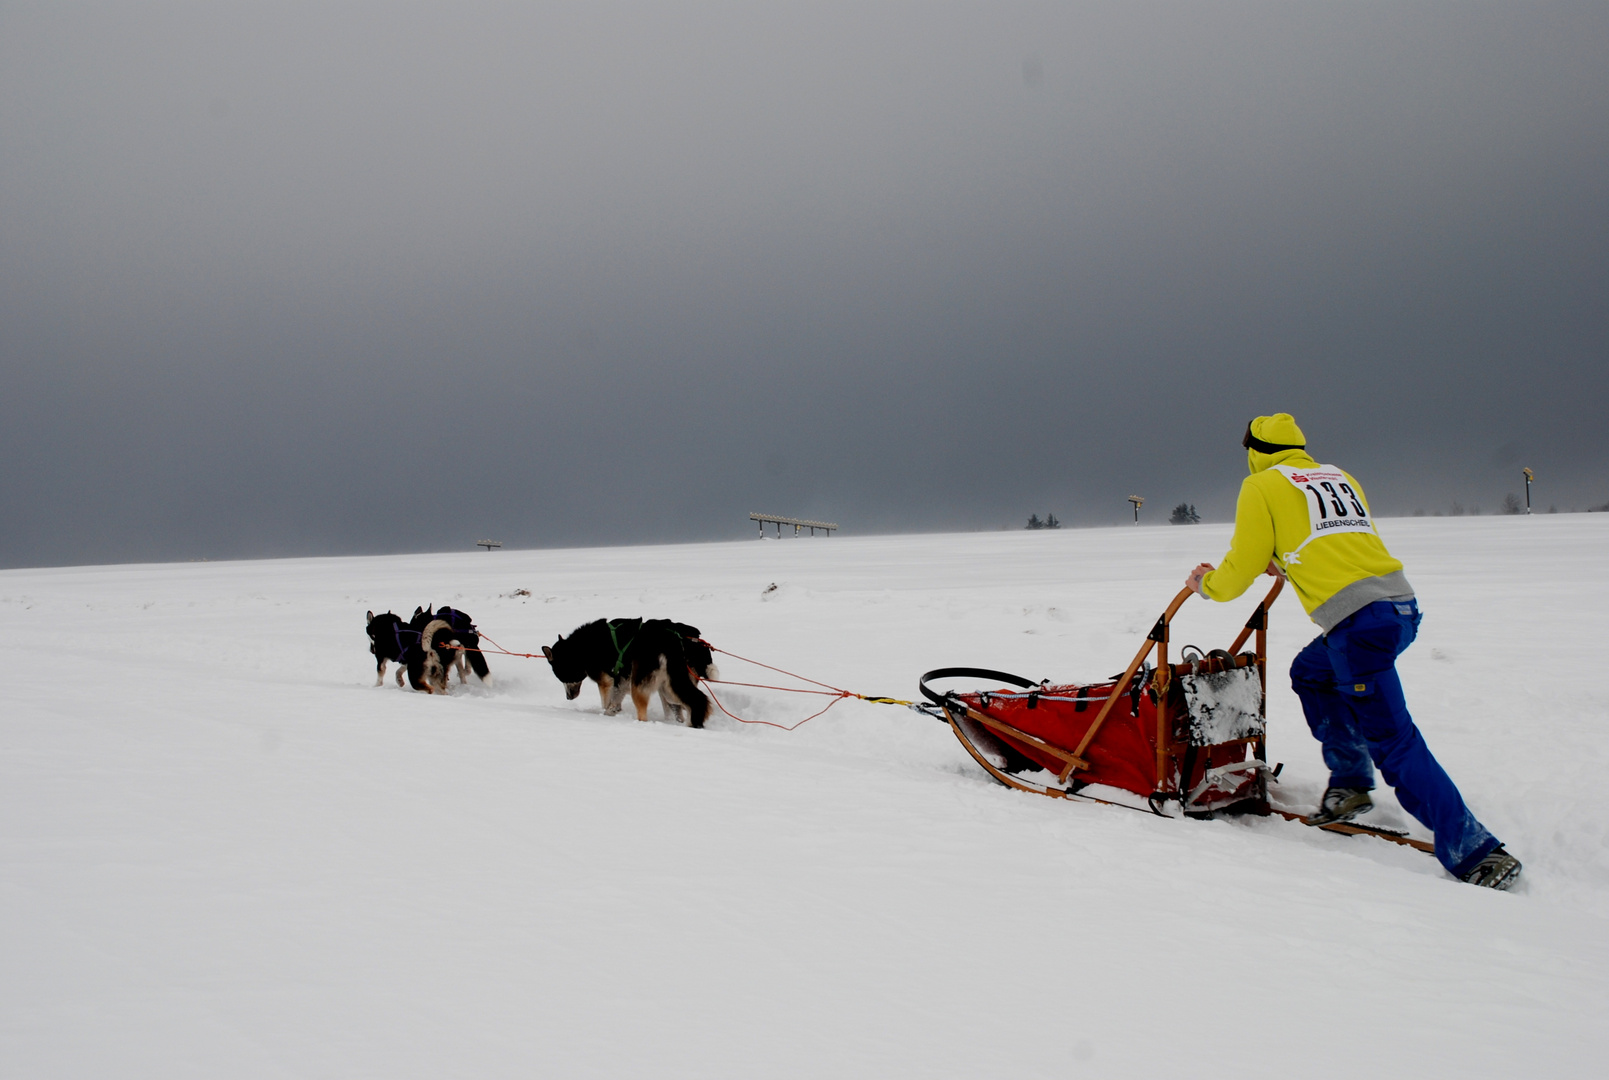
1333	507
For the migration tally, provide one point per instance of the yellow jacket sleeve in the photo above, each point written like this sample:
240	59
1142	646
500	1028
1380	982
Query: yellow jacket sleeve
1249	551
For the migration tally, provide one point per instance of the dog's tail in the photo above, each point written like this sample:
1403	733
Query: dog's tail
438	661
685	690
477	659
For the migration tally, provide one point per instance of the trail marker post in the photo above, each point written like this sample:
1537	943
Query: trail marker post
1137	501
1529	476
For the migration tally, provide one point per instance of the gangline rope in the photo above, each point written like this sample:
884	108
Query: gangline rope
827	689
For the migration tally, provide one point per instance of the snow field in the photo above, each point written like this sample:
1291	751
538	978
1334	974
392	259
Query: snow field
224	852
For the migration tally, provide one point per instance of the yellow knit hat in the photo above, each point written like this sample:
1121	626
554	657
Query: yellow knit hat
1271	434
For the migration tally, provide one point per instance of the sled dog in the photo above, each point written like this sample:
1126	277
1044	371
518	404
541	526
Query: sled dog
469	657
393	640
419	647
640	657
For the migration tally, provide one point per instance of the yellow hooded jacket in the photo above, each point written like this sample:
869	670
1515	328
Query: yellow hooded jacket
1334	576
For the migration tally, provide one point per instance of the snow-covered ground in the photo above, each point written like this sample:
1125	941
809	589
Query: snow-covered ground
225	853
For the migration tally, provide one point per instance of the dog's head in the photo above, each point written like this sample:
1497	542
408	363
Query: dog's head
699	660
567	666
376	625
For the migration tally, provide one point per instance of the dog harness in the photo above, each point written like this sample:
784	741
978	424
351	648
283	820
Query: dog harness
456	619
620	650
402	649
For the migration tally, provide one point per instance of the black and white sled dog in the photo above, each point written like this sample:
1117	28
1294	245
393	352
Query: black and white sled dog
421	647
393	639
640	657
460	632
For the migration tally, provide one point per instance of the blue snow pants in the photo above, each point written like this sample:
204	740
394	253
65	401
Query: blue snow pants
1347	681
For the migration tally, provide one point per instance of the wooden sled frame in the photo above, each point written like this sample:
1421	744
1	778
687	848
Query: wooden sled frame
1073	761
957	714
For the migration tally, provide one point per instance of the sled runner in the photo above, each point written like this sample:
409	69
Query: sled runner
1191	732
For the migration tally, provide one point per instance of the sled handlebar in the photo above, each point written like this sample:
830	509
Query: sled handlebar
1268	602
1184	594
1259	618
1178	602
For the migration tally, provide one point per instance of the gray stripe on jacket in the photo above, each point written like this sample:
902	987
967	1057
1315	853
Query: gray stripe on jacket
1359	595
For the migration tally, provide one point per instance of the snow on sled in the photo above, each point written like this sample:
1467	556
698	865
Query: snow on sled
1192	732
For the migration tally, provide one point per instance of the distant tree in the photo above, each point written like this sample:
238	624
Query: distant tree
1458	509
1512	504
1051	522
1184	514
1034	522
1419	512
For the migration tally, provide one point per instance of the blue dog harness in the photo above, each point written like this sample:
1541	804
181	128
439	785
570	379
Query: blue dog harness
402	649
457	620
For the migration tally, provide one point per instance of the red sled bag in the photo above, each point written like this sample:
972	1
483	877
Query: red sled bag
1192	732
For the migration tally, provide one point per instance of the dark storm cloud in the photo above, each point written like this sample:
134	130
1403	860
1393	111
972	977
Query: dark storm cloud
293	279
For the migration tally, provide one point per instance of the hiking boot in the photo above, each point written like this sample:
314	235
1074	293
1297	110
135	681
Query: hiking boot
1499	870
1341	804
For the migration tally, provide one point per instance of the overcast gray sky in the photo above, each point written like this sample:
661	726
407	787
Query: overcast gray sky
338	278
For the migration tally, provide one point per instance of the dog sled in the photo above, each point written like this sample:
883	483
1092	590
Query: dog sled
1190	733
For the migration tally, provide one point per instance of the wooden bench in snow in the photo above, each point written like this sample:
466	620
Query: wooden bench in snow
797	523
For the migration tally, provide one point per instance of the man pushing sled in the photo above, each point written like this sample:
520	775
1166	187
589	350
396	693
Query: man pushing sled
1311	523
